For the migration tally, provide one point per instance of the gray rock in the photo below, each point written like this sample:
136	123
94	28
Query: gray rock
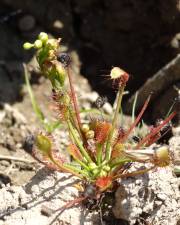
52	190
156	194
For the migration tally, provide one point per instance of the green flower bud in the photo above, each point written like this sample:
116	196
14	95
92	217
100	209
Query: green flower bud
103	173
162	156
43	143
27	46
43	37
107	168
92	166
95	171
38	44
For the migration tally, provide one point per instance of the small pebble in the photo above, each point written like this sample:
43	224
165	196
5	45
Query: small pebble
10	144
158	203
161	196
46	211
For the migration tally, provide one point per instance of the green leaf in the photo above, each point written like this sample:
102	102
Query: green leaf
134	107
51	126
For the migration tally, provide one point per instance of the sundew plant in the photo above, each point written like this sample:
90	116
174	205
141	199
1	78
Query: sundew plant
101	149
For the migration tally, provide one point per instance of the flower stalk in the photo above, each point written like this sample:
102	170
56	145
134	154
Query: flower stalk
114	123
74	99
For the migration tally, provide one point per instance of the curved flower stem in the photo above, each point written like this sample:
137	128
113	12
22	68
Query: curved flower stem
68	168
108	145
135	173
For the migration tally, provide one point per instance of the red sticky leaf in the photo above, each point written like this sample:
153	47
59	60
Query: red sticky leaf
104	182
101	129
74	151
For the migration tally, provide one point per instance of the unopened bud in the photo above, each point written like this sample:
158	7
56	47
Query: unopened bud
95	171
38	44
92	166
43	143
27	46
43	37
162	157
107	168
103	173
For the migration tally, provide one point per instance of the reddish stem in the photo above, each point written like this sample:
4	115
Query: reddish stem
155	131
74	99
137	119
153	140
135	173
71	203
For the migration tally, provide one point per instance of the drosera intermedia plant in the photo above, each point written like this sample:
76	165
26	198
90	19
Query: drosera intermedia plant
101	149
